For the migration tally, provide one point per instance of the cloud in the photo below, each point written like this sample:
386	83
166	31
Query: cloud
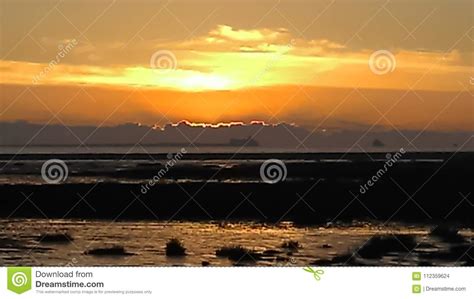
225	38
228	58
225	32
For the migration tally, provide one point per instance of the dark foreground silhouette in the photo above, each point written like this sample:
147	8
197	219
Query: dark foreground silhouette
313	192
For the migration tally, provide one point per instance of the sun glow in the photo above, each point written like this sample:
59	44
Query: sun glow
187	80
205	82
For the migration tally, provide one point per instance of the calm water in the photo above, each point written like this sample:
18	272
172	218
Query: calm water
146	241
140	171
145	149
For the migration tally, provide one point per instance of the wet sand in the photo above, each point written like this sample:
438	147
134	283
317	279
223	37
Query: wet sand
143	243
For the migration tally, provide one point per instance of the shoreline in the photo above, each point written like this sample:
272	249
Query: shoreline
356	156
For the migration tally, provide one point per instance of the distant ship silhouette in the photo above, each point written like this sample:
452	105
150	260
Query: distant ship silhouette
249	141
378	143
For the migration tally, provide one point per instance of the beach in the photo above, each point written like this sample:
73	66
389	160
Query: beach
222	213
22	242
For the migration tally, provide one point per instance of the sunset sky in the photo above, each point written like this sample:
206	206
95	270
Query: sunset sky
310	63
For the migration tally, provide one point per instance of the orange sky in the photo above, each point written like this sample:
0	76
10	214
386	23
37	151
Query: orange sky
306	62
